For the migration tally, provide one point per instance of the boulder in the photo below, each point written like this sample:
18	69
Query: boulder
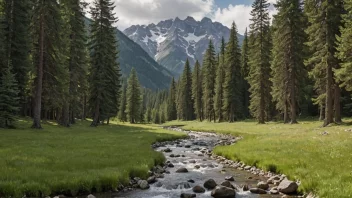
151	180
143	184
263	185
229	178
245	187
186	195
182	170
223	192
287	187
198	189
257	191
170	165
227	184
210	184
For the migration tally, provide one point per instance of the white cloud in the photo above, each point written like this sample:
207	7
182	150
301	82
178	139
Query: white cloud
240	14
131	12
142	12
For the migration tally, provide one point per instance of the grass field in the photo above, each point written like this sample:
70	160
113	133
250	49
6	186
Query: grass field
322	162
76	160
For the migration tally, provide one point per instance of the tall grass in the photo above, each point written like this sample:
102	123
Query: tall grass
322	162
76	160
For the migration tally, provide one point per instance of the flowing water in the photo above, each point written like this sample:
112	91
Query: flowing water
173	184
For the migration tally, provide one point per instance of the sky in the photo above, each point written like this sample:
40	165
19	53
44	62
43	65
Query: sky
143	12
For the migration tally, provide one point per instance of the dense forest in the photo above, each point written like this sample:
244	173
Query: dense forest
54	67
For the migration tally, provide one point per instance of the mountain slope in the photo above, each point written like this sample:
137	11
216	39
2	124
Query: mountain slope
150	74
172	41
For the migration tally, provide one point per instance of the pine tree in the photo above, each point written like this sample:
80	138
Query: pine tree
208	80
48	58
148	115
245	74
17	33
77	59
171	104
104	72
232	106
2	39
345	48
220	75
288	70
184	101
123	101
9	100
259	53
197	91
133	98
324	18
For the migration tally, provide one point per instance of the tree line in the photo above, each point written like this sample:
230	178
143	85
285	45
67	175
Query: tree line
58	65
299	65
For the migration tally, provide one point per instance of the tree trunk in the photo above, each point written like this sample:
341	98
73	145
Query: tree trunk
337	105
39	80
84	115
108	121
65	119
95	121
261	119
329	97
286	113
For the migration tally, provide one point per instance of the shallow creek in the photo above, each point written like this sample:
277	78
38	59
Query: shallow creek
192	152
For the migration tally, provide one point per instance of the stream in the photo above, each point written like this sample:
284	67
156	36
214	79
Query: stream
194	154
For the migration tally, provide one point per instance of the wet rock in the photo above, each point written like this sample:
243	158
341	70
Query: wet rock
198	189
91	196
287	187
167	150
158	185
190	181
170	165
245	187
272	179
151	180
229	178
186	195
257	191
227	184
192	161
172	155
274	191
210	165
210	184
247	167
187	146
143	184
197	167
223	192
263	185
182	170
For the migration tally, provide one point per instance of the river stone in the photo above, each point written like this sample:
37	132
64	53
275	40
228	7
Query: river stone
192	161
151	180
197	167
158	185
245	187
263	185
186	195
287	187
143	184
182	170
210	184
191	181
229	178
272	179
227	184
198	189
257	191
274	191
167	150
187	146
185	185
223	192
91	196
170	165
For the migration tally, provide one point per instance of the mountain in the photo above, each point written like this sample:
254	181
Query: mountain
150	74
172	41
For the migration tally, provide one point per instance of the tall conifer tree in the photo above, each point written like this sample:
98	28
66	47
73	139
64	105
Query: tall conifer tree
105	71
185	102
288	70
245	73
220	75
133	98
197	87
324	18
232	106
208	80
171	102
123	102
345	48
259	75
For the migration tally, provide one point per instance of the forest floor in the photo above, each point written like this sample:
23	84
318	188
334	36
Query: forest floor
75	160
321	158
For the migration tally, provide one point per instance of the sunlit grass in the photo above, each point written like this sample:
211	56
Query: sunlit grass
76	160
322	162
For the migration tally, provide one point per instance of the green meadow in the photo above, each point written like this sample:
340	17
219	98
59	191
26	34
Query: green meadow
323	163
75	160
